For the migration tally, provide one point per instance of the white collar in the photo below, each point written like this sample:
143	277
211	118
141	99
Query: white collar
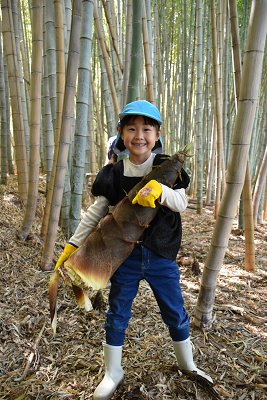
131	169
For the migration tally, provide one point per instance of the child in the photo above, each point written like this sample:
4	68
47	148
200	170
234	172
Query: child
154	257
111	156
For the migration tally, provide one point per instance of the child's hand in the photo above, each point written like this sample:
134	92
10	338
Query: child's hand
147	196
68	250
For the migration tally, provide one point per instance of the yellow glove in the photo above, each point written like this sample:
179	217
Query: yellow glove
147	196
68	250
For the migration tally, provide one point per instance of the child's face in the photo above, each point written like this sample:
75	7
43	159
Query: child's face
139	138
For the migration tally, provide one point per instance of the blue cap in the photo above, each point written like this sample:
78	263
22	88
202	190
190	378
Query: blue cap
141	107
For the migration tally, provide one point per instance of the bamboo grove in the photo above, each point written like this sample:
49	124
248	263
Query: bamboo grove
68	68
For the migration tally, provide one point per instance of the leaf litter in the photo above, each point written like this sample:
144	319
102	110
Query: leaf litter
36	365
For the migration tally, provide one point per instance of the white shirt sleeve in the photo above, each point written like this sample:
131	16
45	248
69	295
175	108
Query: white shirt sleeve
175	200
90	220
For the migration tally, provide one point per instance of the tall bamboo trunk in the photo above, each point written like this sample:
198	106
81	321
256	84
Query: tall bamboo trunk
65	133
92	138
24	60
185	66
192	78
136	52
113	35
106	98
259	187
247	104
50	51
22	91
199	148
247	196
35	117
249	227
81	116
105	55
170	148
3	118
218	105
14	86
127	52
9	137
100	129
48	126
149	75
60	85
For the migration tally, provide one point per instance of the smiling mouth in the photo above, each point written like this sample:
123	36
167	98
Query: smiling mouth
139	144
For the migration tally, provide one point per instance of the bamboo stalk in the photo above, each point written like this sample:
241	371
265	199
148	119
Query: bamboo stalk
62	159
218	109
149	75
15	97
247	104
100	129
248	207
115	44
60	85
35	118
105	56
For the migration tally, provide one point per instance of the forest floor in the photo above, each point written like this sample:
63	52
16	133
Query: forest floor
36	365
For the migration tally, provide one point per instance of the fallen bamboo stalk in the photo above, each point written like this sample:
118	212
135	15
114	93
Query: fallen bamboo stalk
32	354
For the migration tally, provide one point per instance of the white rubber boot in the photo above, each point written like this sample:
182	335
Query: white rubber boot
113	375
184	356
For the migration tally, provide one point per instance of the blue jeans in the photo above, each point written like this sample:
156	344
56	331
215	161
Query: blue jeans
163	277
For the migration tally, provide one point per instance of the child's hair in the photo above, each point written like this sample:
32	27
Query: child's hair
128	119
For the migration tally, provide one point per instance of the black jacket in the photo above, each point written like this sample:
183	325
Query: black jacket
164	234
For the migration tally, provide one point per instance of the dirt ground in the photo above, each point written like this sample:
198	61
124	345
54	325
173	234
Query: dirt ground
36	365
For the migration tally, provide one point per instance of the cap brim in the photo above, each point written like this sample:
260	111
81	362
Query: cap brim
144	114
